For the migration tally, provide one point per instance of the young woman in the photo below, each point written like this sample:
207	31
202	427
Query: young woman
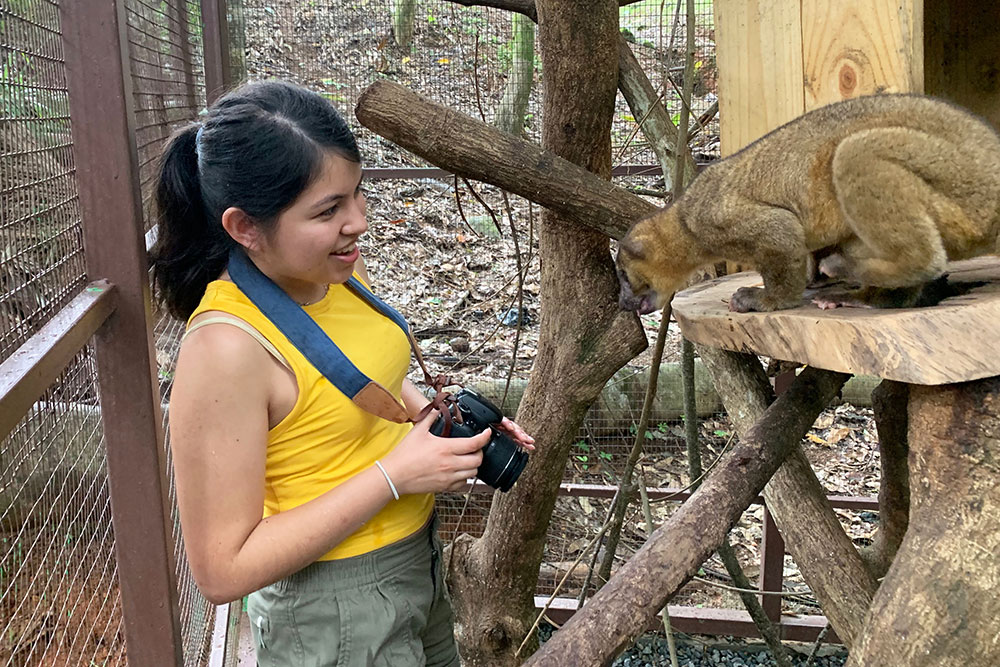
286	489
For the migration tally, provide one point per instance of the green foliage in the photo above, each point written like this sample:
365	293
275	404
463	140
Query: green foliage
583	454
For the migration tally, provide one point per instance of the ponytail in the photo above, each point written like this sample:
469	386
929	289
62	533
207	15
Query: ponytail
258	148
191	248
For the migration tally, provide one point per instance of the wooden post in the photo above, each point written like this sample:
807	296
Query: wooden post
215	37
101	111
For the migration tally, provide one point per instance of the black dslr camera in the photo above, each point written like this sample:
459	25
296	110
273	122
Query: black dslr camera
503	459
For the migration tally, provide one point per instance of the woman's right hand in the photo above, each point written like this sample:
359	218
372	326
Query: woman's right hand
425	463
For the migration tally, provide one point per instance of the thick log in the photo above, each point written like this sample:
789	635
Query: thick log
824	553
889	401
470	148
621	610
938	605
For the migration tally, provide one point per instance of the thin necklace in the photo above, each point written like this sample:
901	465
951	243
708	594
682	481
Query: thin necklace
314	302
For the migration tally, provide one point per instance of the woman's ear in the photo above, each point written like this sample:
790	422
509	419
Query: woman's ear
241	228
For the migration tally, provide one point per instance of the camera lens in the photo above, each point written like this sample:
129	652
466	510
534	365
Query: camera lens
502	463
503	459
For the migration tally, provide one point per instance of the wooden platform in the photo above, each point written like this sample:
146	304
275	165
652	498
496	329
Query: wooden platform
956	341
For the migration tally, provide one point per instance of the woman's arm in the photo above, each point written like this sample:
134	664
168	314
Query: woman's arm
413	399
218	424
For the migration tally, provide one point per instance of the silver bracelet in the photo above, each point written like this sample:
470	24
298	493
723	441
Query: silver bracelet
392	487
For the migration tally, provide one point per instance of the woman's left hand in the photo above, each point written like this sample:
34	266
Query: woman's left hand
517	433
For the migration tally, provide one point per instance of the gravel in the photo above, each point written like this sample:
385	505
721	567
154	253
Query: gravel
651	651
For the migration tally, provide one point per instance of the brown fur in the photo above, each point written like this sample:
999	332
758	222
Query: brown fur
885	189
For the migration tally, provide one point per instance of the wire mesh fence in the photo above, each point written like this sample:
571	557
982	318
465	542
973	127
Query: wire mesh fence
41	247
58	575
58	580
481	61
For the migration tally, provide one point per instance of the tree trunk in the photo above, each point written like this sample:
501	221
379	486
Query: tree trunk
889	402
623	608
829	562
584	338
402	21
938	605
514	104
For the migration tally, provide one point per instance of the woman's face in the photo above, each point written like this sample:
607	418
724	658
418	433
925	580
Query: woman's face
315	239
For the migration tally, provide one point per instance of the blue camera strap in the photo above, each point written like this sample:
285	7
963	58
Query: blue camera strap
303	332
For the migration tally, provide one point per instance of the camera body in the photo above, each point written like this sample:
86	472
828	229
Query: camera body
503	459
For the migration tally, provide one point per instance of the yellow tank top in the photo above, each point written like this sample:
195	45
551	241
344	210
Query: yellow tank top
326	439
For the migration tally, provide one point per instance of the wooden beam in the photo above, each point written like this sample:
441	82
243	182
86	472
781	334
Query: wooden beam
215	35
95	41
35	365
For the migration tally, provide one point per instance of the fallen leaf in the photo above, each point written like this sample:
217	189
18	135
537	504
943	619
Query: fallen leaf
838	434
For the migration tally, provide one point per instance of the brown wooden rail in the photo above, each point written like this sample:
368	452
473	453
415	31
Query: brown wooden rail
35	365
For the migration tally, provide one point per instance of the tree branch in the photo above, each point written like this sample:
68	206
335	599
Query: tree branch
889	402
622	609
829	562
470	148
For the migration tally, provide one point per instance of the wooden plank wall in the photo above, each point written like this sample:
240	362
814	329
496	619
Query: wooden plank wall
780	58
759	55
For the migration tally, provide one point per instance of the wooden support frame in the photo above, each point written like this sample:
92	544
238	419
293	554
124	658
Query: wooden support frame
703	621
103	124
218	76
736	622
26	374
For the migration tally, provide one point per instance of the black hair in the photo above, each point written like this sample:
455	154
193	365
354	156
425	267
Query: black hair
257	148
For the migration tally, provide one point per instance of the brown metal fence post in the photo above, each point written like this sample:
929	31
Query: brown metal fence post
218	77
101	111
772	567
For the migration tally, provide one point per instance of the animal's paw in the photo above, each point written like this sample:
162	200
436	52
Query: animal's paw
834	266
747	300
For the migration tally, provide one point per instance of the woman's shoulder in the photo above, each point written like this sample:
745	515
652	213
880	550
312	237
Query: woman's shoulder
216	341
